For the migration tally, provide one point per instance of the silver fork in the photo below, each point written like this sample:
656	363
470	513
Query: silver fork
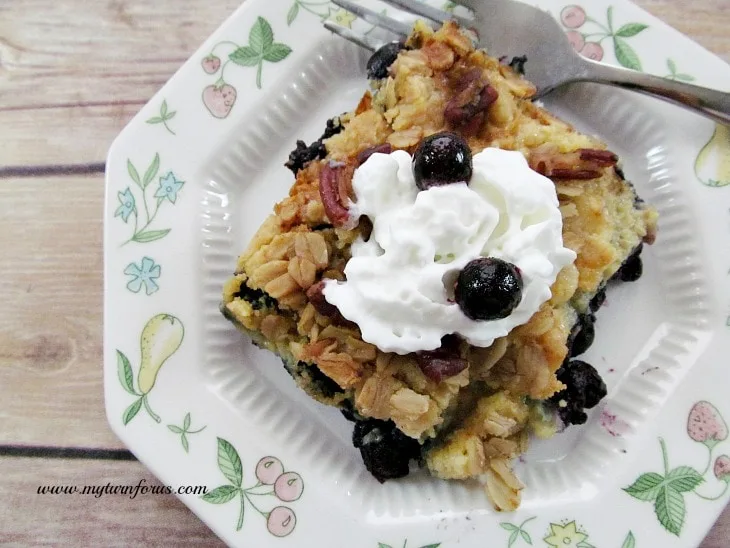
510	28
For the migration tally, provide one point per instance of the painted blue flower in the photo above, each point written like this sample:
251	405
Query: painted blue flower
126	204
169	187
146	273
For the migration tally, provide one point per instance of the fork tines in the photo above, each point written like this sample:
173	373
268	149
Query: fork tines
375	18
401	29
424	10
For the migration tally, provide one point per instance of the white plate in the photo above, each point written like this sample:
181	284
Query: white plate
193	175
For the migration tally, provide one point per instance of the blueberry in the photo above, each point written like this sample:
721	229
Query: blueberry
582	335
632	268
303	154
488	289
598	300
518	64
440	159
385	450
584	389
377	66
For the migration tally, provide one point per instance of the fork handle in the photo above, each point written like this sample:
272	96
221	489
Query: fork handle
709	102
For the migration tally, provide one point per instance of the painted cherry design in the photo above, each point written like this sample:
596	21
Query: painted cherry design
211	64
219	99
705	425
722	468
576	39
573	16
592	50
289	486
268	470
281	521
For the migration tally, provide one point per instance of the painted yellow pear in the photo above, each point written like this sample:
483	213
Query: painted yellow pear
161	338
712	165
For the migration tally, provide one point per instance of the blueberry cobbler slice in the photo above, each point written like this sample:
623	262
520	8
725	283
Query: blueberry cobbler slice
439	262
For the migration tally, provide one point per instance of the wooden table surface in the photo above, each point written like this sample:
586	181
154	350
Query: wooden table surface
72	73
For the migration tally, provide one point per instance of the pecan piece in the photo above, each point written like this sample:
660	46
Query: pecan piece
320	304
584	163
472	97
443	362
327	309
335	179
385	148
603	158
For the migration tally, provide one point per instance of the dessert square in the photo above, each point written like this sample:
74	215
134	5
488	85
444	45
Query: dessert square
459	409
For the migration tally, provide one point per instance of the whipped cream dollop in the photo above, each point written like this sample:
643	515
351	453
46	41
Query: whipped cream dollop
399	287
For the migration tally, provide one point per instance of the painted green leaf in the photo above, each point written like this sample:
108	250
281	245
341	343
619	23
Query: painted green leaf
246	57
277	52
383	545
170	115
671	66
646	487
150	235
684	479
625	54
133	173
163	108
151	171
292	14
526	537
186	421
609	18
229	462
631	29
584	544
436	545
184	440
261	36
221	495
155	120
126	377
131	411
685	77
508	526
173	428
669	508
629	541
512	538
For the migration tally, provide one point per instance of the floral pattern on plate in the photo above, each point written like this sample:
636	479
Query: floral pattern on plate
184	431
166	191
588	41
220	97
144	275
712	166
666	490
273	480
163	117
161	337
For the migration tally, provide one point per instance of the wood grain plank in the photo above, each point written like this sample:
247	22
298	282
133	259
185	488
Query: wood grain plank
705	21
51	313
30	519
71	52
73	135
719	536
